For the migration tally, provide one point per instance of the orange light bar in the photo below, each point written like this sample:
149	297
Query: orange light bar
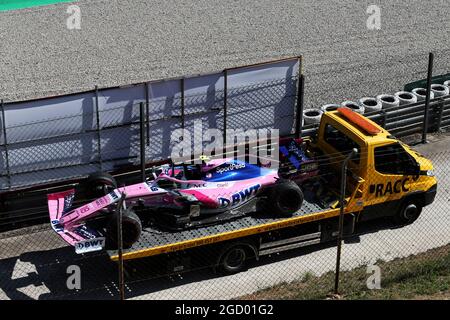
359	120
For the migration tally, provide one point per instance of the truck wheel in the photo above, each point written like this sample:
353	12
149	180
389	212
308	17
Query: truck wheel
408	213
100	184
285	198
233	260
131	229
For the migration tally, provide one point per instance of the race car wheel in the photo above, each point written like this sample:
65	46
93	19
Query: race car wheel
408	213
131	229
285	198
233	260
100	184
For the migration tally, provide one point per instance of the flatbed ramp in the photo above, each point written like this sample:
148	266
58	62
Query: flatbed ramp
154	241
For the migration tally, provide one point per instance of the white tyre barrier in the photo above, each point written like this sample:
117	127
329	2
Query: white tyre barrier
353	106
439	90
406	97
330	107
421	94
370	104
388	101
312	116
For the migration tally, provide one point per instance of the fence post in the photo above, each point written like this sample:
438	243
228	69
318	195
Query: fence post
383	118
182	103
99	142
120	207
142	139
341	218
147	110
8	172
299	109
427	100
225	107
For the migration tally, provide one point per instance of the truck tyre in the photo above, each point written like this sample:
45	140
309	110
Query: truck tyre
233	260
353	106
131	229
100	184
312	116
370	104
406	97
285	198
439	90
421	94
409	212
388	101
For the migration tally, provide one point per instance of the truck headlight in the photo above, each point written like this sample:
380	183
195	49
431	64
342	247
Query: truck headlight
430	173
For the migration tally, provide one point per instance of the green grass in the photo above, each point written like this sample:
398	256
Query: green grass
423	276
21	4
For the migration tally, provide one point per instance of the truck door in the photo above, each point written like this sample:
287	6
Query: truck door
391	174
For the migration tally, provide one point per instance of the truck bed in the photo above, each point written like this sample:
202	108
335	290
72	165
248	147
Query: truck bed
154	241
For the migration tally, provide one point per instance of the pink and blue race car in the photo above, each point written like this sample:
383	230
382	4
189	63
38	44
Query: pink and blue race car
181	197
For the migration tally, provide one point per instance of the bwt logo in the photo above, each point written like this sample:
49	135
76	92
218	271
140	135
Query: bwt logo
89	244
239	197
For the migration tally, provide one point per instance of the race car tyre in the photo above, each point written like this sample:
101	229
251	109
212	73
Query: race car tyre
131	229
370	104
439	90
100	184
388	101
406	97
408	213
353	106
285	198
330	107
421	94
312	116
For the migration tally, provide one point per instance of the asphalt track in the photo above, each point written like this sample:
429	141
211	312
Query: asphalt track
122	42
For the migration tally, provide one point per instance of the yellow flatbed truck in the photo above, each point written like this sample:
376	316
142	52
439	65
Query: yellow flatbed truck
385	178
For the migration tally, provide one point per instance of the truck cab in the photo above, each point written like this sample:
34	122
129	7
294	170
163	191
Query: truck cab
386	177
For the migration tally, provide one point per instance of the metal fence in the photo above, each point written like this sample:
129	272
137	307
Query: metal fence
37	264
75	145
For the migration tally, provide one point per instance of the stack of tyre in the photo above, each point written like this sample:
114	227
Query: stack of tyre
420	94
364	105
